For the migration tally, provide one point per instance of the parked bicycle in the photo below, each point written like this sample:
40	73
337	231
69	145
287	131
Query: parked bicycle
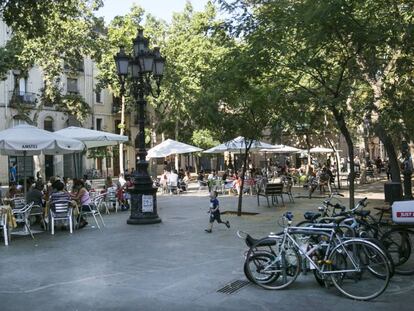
357	267
396	240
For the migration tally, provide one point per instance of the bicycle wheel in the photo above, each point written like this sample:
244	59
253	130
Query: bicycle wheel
383	248
360	269
398	243
274	270
254	268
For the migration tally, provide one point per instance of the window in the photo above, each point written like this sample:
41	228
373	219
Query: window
116	104
22	86
117	129
98	97
99	124
48	124
72	86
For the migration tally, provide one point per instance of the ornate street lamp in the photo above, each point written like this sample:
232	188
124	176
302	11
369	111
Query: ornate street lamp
141	69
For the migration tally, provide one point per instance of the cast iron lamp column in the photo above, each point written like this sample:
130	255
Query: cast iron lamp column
142	69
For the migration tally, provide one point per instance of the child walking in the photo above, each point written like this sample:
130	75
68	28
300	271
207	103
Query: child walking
214	212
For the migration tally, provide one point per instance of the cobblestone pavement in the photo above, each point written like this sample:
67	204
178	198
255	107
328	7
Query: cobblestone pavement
173	265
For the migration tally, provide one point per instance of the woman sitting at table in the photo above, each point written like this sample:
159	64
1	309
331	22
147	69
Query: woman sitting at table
12	192
82	196
109	183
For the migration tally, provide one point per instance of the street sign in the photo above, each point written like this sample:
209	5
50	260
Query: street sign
147	203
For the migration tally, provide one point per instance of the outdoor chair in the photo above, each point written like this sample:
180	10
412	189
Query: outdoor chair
288	190
272	191
173	188
250	185
100	199
216	185
3	226
18	202
61	210
38	211
93	209
22	216
201	184
111	199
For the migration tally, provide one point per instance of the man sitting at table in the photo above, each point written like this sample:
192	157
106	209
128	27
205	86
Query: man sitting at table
35	195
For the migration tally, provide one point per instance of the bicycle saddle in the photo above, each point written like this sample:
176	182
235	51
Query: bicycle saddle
250	241
311	215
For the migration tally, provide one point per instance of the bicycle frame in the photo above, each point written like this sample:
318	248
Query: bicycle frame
319	231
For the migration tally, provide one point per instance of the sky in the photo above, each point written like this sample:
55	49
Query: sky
159	8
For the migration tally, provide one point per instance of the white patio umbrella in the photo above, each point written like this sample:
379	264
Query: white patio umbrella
92	138
321	150
282	149
238	145
169	147
26	140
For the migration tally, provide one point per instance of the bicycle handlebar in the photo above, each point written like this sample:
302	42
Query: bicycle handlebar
362	202
241	233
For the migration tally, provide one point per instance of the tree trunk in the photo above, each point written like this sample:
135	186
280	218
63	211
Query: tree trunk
309	156
121	132
337	163
176	132
340	119
389	147
239	203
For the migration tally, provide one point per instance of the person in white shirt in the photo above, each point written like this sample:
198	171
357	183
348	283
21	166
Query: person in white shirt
172	181
121	180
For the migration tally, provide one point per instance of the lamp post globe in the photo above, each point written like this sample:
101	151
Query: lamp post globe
139	69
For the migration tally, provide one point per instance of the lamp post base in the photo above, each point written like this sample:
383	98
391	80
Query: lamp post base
143	204
144	220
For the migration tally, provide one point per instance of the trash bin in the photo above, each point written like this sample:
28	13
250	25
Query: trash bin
393	192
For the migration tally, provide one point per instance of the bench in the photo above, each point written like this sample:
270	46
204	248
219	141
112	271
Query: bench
272	190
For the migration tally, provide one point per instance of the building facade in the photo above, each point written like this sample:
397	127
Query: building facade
20	98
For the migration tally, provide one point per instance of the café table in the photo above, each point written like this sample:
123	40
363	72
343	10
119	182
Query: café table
11	220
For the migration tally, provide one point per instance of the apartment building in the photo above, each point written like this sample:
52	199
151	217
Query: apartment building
22	93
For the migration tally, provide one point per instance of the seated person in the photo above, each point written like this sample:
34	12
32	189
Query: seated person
35	194
12	192
200	179
59	194
121	180
324	180
185	181
109	183
82	196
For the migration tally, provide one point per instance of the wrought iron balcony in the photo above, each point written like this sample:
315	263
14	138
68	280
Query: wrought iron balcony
18	98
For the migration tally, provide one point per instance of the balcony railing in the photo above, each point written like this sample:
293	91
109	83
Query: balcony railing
22	98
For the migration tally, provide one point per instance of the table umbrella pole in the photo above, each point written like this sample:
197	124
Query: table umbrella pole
74	165
24	173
